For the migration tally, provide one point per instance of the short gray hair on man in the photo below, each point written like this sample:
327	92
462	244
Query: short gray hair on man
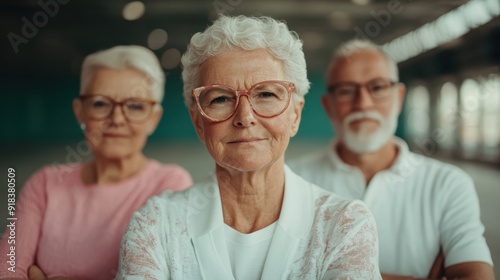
353	46
126	57
247	33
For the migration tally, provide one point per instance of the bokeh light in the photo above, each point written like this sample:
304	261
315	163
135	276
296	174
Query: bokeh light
133	10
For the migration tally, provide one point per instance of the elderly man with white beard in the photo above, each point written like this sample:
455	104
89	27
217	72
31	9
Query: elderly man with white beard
427	212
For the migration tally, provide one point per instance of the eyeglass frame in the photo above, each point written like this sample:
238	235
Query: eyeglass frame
121	103
331	89
290	87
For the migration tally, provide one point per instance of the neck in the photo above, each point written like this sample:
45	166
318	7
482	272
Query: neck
251	200
102	170
370	163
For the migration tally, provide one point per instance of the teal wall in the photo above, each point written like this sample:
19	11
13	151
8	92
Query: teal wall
41	111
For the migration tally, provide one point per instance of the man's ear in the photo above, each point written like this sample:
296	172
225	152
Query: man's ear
78	110
327	106
298	105
197	122
401	95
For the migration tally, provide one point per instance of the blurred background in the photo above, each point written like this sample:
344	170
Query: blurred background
448	53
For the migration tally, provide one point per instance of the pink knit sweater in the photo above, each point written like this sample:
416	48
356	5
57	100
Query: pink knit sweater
74	230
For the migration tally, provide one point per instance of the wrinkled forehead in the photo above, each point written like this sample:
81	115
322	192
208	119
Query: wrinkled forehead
120	83
241	69
360	67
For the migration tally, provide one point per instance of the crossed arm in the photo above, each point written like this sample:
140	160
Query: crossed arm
462	271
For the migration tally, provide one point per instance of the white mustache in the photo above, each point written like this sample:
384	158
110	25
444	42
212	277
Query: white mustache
376	116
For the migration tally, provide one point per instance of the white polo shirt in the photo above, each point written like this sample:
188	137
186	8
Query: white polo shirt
419	204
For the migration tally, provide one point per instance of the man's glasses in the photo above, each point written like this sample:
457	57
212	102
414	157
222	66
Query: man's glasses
348	91
100	107
267	99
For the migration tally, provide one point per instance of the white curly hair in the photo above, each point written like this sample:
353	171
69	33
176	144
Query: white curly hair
123	57
353	46
247	33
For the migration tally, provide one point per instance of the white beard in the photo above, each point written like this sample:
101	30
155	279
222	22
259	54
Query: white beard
363	141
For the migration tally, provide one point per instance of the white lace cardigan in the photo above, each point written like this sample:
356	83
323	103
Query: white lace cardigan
318	236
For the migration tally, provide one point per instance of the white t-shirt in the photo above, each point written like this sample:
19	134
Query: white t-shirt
419	205
248	252
318	235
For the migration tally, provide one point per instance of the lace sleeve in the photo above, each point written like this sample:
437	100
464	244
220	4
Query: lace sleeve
356	254
142	253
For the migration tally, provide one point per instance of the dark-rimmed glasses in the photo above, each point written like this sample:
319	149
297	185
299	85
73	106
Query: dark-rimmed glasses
100	107
379	89
267	99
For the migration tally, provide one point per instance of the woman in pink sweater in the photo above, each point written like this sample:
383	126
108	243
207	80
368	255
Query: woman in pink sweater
71	218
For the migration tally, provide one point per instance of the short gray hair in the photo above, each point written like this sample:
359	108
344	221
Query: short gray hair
247	33
123	57
353	46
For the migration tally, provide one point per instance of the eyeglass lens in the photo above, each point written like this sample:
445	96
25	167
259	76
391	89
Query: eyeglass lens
348	91
267	99
100	107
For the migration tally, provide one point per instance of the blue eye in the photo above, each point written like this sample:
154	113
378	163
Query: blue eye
100	104
267	94
219	100
217	97
345	91
135	106
378	87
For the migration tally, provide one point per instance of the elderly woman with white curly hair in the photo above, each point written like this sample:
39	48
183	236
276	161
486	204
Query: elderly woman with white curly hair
244	82
71	218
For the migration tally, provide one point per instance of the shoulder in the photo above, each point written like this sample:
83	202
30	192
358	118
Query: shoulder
350	220
165	201
171	176
355	210
340	220
441	173
169	211
62	171
301	185
173	203
329	204
340	209
157	211
55	174
308	162
47	180
424	167
170	169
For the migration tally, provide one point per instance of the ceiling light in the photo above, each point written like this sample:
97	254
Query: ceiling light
312	40
340	20
157	39
361	2
170	59
133	10
446	28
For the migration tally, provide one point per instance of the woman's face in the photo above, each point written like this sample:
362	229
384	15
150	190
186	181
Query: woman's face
114	137
246	142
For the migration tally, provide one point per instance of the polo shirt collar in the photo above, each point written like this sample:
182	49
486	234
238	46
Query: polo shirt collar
400	164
